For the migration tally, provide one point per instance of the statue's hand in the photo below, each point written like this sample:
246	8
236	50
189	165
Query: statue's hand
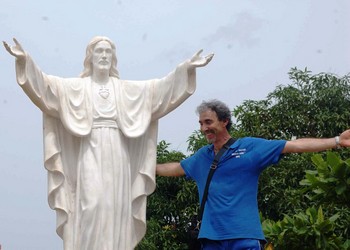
17	50
199	61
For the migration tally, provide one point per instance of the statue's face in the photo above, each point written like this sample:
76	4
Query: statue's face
102	56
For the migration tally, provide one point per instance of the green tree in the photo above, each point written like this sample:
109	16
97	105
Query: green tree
311	106
328	188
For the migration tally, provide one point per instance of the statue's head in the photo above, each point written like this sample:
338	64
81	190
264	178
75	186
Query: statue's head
88	59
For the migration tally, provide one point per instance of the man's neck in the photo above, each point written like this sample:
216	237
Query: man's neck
220	143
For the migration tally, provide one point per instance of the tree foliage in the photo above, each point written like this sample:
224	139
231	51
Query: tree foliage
328	188
311	106
305	199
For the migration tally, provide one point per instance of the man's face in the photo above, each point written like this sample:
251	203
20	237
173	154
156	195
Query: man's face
102	56
210	126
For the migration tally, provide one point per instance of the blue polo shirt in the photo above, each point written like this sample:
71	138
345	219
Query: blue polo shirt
231	210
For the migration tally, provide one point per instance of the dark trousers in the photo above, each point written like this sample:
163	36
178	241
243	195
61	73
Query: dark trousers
234	244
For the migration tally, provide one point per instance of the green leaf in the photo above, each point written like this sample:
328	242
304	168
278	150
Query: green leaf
340	188
319	162
320	217
340	170
333	159
334	217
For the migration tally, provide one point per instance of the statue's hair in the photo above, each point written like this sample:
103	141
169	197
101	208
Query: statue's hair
221	109
88	58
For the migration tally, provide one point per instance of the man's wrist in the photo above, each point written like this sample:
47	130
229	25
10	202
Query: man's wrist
337	142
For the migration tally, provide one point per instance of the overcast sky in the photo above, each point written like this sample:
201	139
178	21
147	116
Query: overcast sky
255	45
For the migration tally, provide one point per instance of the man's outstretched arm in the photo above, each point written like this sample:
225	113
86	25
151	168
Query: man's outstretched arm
317	144
170	169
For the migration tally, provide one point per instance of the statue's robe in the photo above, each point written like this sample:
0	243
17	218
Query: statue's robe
100	153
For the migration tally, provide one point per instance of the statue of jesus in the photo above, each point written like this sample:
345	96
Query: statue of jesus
100	141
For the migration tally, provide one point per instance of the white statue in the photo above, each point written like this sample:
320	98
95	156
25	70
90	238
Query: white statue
100	138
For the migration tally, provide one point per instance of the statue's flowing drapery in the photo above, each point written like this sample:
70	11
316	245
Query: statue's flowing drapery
100	152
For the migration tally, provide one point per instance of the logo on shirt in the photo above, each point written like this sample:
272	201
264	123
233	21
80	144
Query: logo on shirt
238	153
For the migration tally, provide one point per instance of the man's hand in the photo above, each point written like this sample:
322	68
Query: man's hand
344	138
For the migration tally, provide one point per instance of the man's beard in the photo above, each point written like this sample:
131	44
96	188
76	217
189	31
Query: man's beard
212	139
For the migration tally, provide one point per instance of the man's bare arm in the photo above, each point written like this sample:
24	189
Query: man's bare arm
170	169
317	144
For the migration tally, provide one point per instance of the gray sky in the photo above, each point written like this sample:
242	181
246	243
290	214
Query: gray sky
255	45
